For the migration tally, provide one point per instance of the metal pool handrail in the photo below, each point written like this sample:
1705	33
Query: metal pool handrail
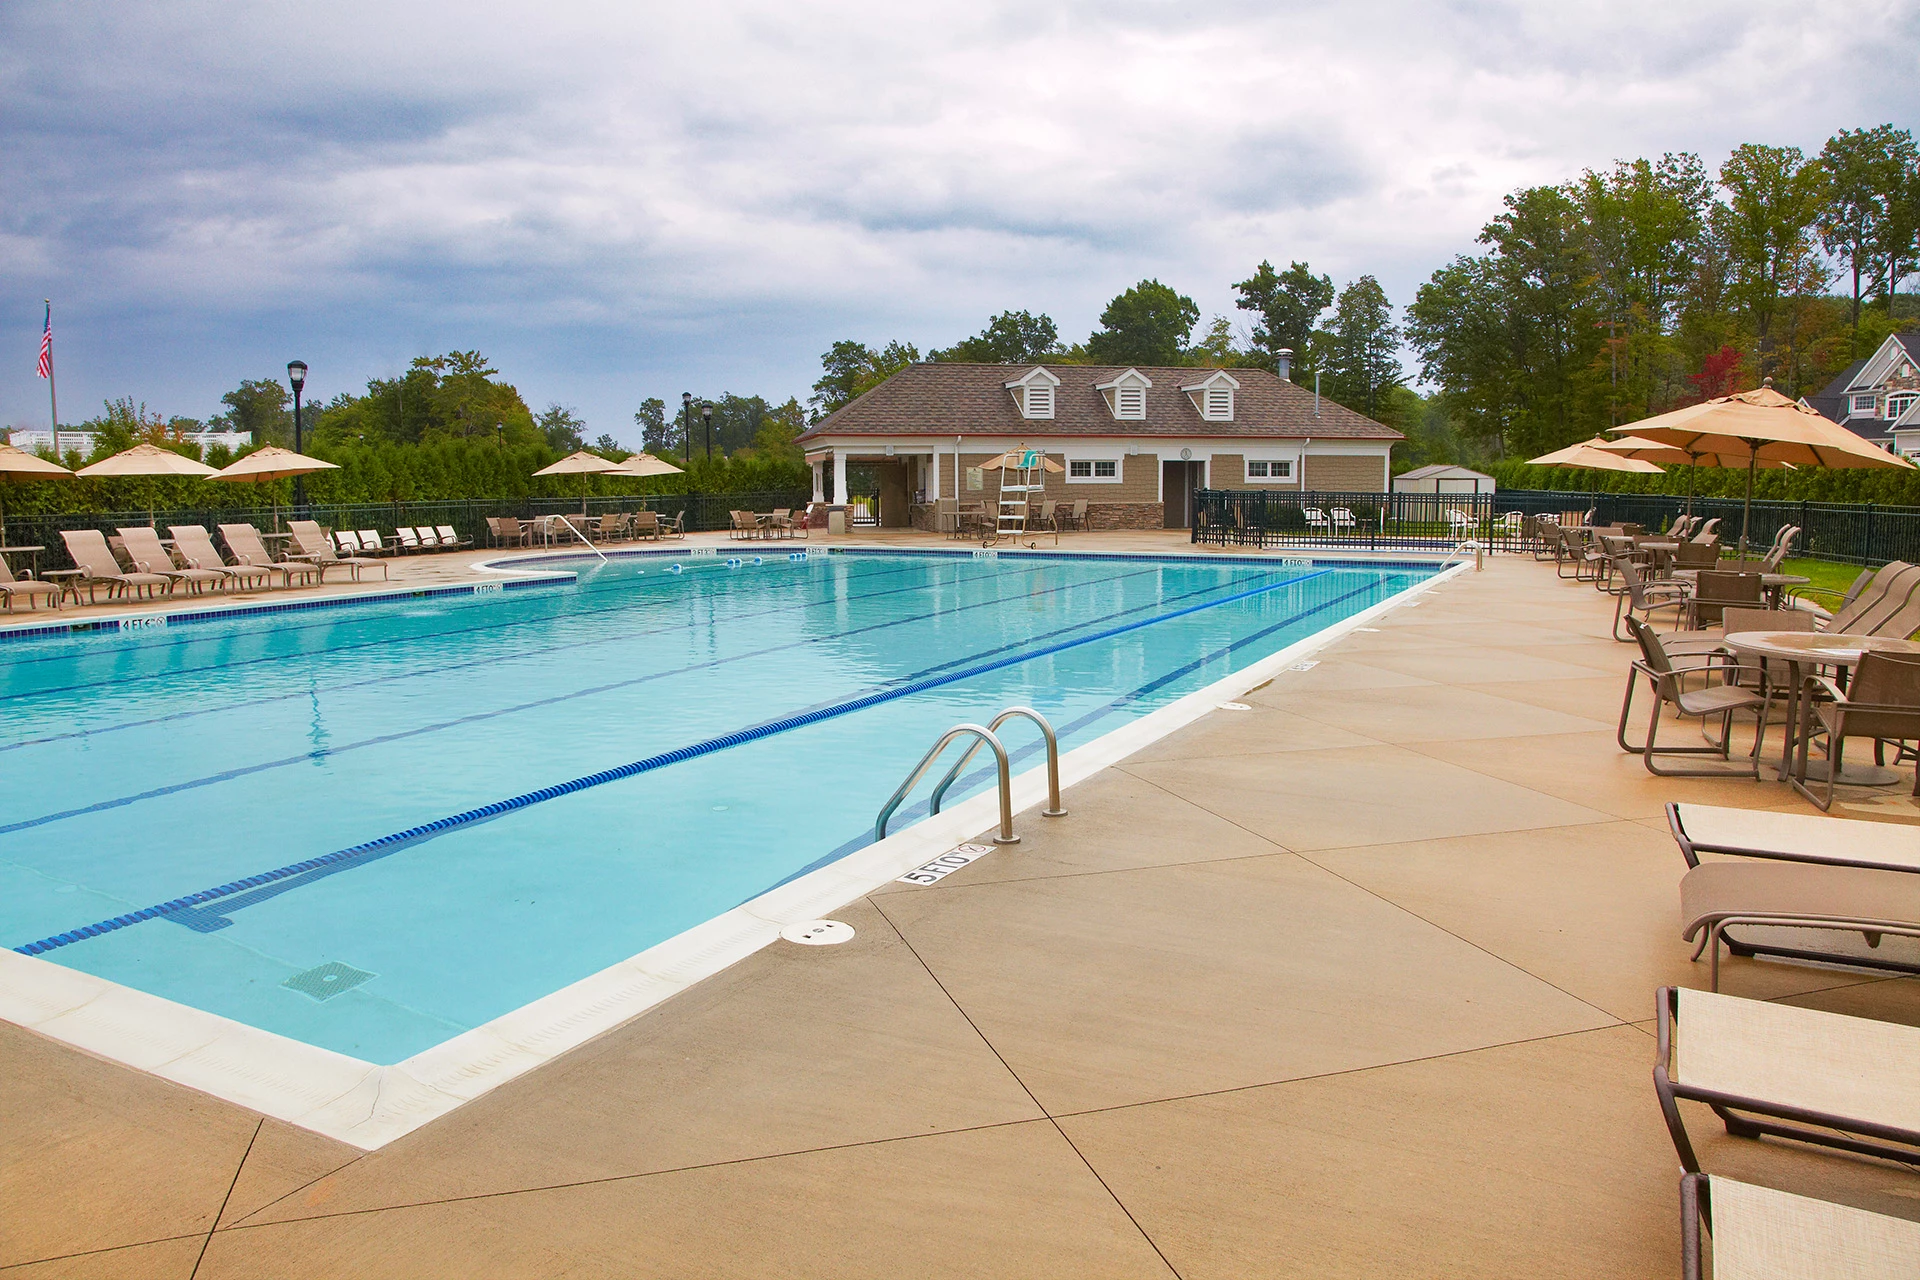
583	537
1054	809
985	735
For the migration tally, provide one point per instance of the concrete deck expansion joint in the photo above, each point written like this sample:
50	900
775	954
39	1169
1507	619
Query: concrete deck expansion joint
1353	982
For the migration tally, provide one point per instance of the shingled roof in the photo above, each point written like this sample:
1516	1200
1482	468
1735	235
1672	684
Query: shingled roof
972	399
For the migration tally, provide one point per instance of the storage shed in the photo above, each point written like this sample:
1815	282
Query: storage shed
1442	477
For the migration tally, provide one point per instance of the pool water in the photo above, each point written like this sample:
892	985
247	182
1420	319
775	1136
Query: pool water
578	772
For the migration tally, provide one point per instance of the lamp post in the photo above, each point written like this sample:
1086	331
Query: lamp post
500	434
706	415
297	377
686	423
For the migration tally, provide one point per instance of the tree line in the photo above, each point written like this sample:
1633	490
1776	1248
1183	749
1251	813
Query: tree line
1616	295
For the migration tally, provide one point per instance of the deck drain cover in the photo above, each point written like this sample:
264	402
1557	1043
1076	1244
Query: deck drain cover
1235	706
325	981
818	933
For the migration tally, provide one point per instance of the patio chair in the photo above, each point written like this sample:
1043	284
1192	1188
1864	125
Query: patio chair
780	522
195	548
1713	591
247	548
1882	703
1459	523
1722	696
1077	517
674	528
1759	1232
450	539
28	589
744	525
646	524
1796	895
1694	554
147	555
94	559
1776	1069
1343	519
313	546
1317	519
1643	595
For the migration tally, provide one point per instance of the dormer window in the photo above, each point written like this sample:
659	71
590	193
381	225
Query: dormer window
1126	395
1033	393
1864	403
1213	398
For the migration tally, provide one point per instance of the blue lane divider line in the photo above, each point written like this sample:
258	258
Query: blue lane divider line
399	735
420	672
690	752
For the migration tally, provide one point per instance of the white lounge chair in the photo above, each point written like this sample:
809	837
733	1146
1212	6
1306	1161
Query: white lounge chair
1762	1234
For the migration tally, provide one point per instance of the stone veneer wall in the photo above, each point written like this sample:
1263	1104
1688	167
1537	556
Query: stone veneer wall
1100	515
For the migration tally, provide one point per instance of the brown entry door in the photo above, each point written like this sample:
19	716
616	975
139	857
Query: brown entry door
1178	480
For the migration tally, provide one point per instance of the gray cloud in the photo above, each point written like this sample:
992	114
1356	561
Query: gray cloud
621	200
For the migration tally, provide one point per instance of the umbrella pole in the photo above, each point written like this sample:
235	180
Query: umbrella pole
1746	515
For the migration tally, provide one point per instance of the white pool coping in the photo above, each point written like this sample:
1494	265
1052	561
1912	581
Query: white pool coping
368	1105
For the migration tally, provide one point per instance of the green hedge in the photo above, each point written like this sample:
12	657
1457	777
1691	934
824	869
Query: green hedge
1890	486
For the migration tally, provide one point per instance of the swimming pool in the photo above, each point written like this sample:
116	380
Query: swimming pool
374	828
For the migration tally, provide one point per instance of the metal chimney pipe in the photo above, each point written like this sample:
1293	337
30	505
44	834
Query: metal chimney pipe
1283	358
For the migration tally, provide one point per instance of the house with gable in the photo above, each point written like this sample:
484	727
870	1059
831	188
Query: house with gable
1134	443
1878	399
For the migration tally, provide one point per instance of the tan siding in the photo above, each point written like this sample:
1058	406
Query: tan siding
1139	481
1229	471
1338	474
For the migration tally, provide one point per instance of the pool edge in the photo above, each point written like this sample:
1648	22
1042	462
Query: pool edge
368	1105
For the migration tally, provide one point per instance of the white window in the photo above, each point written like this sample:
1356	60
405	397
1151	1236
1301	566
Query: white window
1260	469
1899	403
1219	404
1093	470
1863	403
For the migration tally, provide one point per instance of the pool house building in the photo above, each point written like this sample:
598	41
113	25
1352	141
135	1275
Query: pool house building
1132	443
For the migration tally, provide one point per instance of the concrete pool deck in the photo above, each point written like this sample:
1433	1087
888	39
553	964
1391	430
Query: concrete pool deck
1356	982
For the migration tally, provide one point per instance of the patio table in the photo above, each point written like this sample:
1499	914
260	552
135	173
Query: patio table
1802	650
68	580
32	554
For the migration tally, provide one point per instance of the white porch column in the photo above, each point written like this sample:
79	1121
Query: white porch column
839	475
933	480
818	466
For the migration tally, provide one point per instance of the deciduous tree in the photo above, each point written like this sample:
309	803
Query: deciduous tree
1146	325
1289	305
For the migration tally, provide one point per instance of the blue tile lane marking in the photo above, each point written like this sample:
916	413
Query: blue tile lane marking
305	757
624	585
690	752
538	651
395	596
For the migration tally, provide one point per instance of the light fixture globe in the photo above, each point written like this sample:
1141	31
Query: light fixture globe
297	374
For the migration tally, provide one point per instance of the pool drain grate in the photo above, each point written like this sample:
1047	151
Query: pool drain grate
325	981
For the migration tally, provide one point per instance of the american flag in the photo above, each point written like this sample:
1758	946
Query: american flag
46	346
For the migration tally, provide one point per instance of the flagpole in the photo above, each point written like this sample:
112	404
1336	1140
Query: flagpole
53	397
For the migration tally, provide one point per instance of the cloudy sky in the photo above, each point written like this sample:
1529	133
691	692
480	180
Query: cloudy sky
617	200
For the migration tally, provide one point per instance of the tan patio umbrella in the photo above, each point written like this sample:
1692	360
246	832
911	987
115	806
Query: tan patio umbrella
1012	459
582	464
271	462
1759	428
645	464
145	460
1591	455
18	467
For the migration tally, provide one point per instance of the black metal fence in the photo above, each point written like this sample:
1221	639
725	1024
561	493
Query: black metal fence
1376	521
1851	532
468	517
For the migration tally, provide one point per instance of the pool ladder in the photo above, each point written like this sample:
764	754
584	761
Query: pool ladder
988	735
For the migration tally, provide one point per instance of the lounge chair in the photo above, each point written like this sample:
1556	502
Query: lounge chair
94	559
1762	1234
1706	531
147	555
1792	837
313	546
346	542
372	544
1774	1069
1723	696
449	539
27	588
1796	895
196	549
244	541
410	540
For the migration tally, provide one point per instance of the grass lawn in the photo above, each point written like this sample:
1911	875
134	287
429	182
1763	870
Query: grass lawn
1828	576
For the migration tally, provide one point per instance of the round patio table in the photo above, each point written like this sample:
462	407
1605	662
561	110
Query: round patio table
1801	650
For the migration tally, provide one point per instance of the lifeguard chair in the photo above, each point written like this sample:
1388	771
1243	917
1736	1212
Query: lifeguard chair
1022	474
